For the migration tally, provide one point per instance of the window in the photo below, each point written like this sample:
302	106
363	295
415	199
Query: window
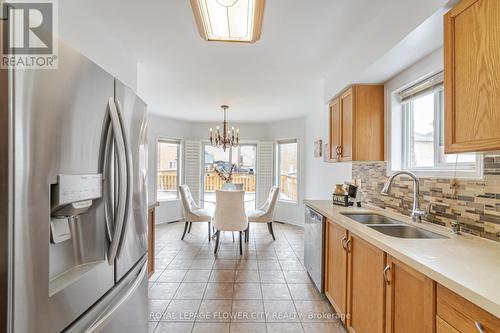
244	157
168	177
423	133
288	170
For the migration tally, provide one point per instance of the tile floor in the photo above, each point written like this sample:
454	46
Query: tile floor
264	290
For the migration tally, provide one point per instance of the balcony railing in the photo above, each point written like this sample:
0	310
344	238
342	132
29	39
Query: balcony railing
167	181
288	187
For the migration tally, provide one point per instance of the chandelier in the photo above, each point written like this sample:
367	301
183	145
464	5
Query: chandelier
228	138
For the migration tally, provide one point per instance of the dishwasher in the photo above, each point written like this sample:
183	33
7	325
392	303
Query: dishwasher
314	242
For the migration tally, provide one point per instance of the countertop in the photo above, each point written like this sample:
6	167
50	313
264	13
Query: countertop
465	264
152	205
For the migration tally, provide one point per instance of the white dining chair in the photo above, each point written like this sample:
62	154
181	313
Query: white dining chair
265	214
232	187
229	214
192	212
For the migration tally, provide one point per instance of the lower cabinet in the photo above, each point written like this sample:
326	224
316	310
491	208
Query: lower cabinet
377	293
410	299
366	286
336	267
458	315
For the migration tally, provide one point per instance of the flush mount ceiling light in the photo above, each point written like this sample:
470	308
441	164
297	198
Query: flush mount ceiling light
229	20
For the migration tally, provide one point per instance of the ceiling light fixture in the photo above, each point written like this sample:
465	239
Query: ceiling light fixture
229	20
228	138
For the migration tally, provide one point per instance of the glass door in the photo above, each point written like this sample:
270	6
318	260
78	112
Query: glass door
216	161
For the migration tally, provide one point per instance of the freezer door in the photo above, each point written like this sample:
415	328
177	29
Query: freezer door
123	310
60	267
133	245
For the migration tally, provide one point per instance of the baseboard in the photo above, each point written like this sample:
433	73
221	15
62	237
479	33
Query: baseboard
291	223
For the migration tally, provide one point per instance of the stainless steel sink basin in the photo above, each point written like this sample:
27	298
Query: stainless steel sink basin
406	231
371	218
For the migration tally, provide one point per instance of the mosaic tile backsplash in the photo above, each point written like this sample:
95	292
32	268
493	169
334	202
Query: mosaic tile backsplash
473	203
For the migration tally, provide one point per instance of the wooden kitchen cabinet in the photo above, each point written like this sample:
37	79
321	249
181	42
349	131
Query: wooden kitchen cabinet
336	267
472	76
335	134
357	124
366	286
345	148
461	315
410	299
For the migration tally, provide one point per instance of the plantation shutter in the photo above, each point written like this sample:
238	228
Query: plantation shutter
265	170
192	169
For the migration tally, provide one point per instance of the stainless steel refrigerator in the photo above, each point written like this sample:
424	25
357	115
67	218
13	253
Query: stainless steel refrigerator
73	200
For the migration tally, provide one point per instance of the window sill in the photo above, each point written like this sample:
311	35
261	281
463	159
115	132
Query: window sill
167	200
288	202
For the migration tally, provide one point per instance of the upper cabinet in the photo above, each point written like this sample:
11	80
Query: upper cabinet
472	76
357	124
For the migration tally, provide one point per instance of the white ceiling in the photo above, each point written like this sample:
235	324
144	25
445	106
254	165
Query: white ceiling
281	76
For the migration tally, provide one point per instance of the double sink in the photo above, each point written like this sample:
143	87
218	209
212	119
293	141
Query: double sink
392	227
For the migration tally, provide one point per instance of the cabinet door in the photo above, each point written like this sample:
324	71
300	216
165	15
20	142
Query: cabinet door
334	129
346	115
410	299
472	76
336	267
366	286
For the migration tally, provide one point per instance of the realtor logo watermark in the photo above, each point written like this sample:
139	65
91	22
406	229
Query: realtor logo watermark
29	34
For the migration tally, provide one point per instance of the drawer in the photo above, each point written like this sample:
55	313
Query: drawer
462	314
444	327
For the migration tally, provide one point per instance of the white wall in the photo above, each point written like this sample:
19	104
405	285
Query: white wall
248	131
321	177
373	38
168	211
78	29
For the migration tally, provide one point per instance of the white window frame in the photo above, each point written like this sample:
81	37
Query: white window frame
277	168
439	170
179	144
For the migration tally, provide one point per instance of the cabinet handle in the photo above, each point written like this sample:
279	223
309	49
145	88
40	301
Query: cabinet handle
386	269
347	246
479	327
337	151
340	151
344	239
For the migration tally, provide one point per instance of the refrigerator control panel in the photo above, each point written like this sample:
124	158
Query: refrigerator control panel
76	188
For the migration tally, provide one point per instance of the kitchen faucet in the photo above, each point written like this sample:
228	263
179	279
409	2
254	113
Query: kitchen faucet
416	213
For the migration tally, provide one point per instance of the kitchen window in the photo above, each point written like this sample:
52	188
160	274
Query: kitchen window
423	133
168	172
287	153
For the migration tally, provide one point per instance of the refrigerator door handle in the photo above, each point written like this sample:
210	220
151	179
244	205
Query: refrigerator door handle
129	177
108	172
98	324
121	160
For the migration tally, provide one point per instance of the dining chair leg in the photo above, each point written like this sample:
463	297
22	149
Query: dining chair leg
270	226
217	236
247	233
233	235
190	225
209	236
241	249
185	229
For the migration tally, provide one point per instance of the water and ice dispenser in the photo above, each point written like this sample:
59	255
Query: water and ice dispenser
72	196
